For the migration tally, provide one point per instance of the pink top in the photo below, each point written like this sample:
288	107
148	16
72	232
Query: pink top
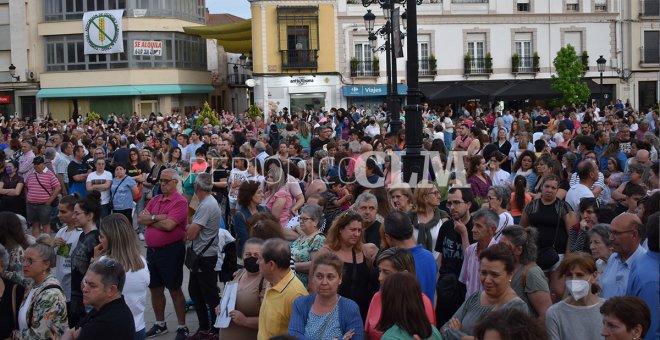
35	192
373	316
176	209
285	215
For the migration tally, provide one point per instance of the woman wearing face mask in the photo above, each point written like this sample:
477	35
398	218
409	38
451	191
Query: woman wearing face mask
578	315
249	295
12	196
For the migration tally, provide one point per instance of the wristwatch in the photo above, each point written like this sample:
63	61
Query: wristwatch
153	218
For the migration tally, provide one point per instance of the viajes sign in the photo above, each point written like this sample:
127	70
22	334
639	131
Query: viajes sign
102	32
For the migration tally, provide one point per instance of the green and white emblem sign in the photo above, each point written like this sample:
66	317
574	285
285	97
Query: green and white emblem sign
102	32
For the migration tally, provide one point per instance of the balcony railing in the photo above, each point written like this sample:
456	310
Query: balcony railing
365	68
650	55
238	79
600	7
469	1
478	65
650	7
426	69
525	64
299	59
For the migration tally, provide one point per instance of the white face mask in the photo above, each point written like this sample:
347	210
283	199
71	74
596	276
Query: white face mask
578	288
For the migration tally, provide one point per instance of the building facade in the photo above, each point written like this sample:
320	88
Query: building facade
295	54
503	50
50	53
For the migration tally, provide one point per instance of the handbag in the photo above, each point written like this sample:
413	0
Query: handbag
548	256
138	196
56	201
192	258
112	195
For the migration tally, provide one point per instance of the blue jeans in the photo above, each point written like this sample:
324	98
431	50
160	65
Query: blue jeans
138	208
141	335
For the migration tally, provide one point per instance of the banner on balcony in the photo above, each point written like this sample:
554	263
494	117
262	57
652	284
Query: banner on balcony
102	32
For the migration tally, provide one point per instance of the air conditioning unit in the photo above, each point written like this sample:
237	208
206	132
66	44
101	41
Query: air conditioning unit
29	75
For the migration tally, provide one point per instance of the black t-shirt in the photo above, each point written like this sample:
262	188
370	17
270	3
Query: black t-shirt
7	325
545	220
141	168
317	144
219	173
505	148
113	321
372	234
450	246
77	169
545	120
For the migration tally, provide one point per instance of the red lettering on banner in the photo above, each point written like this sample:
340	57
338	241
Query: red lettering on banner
5	99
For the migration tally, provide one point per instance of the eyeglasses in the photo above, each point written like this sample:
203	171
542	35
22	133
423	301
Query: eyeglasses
619	233
305	219
165	180
30	261
591	200
450	203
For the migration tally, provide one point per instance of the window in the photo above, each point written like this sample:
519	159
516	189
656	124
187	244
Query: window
192	10
477	52
523	5
523	42
423	51
651	7
572	6
363	64
469	1
574	39
600	5
651	52
298	36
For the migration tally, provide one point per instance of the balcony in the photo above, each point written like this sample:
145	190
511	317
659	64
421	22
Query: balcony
525	64
469	1
427	67
649	55
237	79
650	8
365	68
299	59
477	66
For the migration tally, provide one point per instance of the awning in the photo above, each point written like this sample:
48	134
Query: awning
235	37
123	90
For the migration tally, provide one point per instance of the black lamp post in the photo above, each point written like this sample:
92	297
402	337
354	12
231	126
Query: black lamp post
413	161
12	72
601	68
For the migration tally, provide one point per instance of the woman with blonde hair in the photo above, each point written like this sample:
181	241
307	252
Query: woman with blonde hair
119	241
427	216
277	197
344	239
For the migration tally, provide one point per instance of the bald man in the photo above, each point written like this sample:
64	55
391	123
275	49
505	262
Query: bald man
625	236
643	158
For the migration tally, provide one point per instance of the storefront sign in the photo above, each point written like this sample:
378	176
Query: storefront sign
5	99
148	48
301	81
371	90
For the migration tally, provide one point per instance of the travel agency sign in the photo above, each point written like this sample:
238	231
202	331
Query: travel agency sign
102	32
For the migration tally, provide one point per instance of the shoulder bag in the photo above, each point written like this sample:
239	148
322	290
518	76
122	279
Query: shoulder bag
192	258
56	201
112	195
548	256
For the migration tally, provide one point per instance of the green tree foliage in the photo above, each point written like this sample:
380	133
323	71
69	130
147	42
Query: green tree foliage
207	112
92	117
253	112
569	79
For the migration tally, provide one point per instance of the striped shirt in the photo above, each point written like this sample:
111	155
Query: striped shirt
35	192
470	269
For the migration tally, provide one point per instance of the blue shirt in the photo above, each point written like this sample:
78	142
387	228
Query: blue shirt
508	120
426	270
643	282
122	197
614	280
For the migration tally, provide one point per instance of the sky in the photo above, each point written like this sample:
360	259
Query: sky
239	8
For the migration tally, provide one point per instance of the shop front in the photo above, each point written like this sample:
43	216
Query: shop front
297	93
369	96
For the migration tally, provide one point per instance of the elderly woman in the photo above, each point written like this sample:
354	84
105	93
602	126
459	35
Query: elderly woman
497	265
401	197
344	239
101	181
389	261
309	242
577	316
427	217
11	295
326	314
600	245
43	312
249	295
498	201
625	318
528	280
13	238
277	198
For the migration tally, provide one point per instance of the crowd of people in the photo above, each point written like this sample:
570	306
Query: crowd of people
550	232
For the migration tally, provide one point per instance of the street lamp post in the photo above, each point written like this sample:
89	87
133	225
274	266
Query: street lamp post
601	68
12	72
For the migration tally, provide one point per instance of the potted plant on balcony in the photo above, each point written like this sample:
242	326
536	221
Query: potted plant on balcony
515	62
433	64
375	67
354	66
466	63
536	62
489	63
585	60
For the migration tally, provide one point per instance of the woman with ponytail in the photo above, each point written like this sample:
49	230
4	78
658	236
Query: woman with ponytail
43	313
86	214
519	198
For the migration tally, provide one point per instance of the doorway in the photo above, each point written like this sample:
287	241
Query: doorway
147	107
29	107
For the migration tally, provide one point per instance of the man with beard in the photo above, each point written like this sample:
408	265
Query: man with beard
455	235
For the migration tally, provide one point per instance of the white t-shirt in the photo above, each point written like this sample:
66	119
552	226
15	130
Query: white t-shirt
106	175
575	194
501	177
63	259
372	130
22	312
448	124
135	293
